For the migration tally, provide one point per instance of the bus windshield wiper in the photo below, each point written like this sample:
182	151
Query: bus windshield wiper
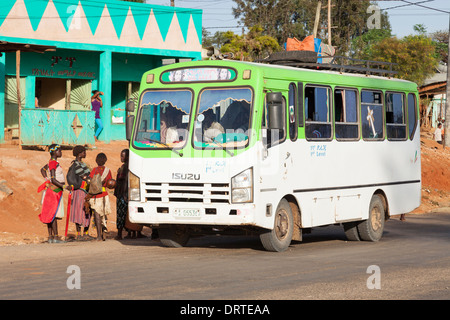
164	144
217	143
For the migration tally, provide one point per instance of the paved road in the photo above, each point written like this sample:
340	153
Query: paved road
411	262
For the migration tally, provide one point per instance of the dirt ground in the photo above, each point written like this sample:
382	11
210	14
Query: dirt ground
19	222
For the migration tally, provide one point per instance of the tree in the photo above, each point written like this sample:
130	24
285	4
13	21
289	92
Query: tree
295	18
251	46
217	40
440	40
361	45
414	55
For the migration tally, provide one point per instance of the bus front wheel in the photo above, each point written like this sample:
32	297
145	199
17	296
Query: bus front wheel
174	236
279	238
372	228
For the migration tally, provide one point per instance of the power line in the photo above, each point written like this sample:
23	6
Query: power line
406	5
426	7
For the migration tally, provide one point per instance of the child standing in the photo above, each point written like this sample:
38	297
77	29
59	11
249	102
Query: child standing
99	203
52	203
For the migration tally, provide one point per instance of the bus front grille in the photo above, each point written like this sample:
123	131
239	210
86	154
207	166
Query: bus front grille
206	193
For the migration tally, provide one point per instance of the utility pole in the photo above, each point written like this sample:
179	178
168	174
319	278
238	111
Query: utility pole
316	22
329	23
447	96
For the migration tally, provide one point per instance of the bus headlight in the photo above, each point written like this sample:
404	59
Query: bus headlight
134	187
242	187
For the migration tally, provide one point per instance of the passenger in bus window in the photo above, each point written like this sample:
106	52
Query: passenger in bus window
213	131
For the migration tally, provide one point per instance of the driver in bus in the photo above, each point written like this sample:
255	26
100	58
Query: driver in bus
168	134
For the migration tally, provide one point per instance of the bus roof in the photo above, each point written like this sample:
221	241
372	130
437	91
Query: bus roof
290	73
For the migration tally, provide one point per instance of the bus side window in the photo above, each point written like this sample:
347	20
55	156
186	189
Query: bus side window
412	114
292	112
318	113
372	115
346	114
395	116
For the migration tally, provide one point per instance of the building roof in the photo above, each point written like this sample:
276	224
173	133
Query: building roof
6	46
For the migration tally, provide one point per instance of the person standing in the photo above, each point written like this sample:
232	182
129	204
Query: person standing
121	193
97	104
99	203
52	202
80	215
438	134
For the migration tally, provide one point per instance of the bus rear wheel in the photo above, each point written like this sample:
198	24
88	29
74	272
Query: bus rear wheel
279	238
372	228
174	236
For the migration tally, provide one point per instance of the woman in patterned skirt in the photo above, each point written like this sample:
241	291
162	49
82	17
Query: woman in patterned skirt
80	215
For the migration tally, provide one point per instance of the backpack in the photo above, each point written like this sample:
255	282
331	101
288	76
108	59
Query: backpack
95	187
72	178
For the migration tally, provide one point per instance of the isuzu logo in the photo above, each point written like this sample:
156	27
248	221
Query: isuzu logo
185	176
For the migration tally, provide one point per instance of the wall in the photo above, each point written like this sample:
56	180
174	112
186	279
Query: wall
101	42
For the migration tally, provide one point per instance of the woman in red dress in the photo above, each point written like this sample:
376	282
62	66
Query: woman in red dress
52	202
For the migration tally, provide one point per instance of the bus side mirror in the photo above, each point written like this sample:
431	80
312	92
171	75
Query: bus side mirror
129	126
130	106
275	110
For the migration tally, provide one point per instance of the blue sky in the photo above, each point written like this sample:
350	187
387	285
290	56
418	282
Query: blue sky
218	16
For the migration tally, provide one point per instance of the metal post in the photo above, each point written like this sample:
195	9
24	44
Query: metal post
447	98
316	22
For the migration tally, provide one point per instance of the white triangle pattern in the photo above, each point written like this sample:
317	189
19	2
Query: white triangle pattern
18	25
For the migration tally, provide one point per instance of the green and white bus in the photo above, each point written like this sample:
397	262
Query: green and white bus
229	146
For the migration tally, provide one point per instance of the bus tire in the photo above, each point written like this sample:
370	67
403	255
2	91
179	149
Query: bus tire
372	228
174	236
293	56
351	231
279	238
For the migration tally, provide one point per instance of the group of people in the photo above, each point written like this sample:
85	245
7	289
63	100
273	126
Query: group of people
89	197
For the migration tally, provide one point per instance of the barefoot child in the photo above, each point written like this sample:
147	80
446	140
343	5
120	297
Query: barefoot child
99	203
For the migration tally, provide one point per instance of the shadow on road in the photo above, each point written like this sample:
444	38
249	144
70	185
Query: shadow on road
428	227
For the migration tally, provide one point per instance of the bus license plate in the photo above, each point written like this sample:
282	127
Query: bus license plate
186	213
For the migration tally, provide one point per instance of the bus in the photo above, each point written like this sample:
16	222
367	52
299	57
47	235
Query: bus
232	147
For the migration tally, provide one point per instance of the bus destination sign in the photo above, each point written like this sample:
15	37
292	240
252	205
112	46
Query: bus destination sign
198	74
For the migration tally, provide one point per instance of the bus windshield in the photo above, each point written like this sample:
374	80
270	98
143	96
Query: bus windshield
223	118
163	120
